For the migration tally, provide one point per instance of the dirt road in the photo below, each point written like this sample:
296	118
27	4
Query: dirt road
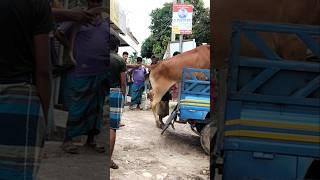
143	153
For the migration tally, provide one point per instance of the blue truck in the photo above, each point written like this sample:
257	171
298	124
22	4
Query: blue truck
193	106
269	108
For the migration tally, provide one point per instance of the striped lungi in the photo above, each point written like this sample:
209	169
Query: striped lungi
22	131
116	101
85	106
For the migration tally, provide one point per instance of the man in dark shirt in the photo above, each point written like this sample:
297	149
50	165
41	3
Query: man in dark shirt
24	85
118	86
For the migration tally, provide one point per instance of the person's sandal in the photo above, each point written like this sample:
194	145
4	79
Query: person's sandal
113	165
70	148
100	149
90	145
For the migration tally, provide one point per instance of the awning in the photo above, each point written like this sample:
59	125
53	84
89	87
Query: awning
117	34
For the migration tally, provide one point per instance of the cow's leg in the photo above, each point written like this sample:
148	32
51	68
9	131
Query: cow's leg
154	106
159	88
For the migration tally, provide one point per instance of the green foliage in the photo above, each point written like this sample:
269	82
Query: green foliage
160	27
132	58
147	47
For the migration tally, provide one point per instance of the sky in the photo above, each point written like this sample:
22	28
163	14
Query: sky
138	15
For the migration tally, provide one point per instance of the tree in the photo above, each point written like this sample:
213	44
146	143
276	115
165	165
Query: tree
160	27
147	47
133	58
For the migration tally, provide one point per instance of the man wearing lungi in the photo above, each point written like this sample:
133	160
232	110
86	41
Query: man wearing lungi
128	78
24	86
118	85
138	74
87	81
125	56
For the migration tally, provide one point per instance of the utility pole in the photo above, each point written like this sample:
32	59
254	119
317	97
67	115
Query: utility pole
173	35
181	36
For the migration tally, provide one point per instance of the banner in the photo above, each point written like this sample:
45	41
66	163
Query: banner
182	18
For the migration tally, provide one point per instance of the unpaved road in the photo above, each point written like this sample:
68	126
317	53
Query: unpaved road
143	153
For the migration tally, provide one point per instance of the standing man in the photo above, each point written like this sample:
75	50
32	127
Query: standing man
154	60
125	56
118	85
24	85
128	77
138	75
88	81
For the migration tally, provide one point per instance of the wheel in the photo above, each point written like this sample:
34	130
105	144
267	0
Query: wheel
207	133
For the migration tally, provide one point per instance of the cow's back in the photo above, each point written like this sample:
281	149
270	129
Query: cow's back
198	58
270	11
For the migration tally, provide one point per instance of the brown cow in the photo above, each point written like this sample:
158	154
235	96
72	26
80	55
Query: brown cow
166	73
270	11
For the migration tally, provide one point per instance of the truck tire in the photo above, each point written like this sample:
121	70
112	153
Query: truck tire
207	133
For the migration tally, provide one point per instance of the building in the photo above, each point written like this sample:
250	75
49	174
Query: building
119	27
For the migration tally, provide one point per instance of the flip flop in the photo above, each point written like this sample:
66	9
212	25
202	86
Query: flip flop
113	165
100	149
90	145
95	147
70	148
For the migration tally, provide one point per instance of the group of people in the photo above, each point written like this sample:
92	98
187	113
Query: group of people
136	76
92	85
95	89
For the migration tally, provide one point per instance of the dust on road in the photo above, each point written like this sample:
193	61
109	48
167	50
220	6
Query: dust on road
143	153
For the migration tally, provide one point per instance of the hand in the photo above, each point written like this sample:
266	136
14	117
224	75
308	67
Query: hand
81	16
61	38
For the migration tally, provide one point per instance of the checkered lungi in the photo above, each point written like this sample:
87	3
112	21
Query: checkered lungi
22	131
116	106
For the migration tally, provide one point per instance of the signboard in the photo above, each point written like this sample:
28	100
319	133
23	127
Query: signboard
182	18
